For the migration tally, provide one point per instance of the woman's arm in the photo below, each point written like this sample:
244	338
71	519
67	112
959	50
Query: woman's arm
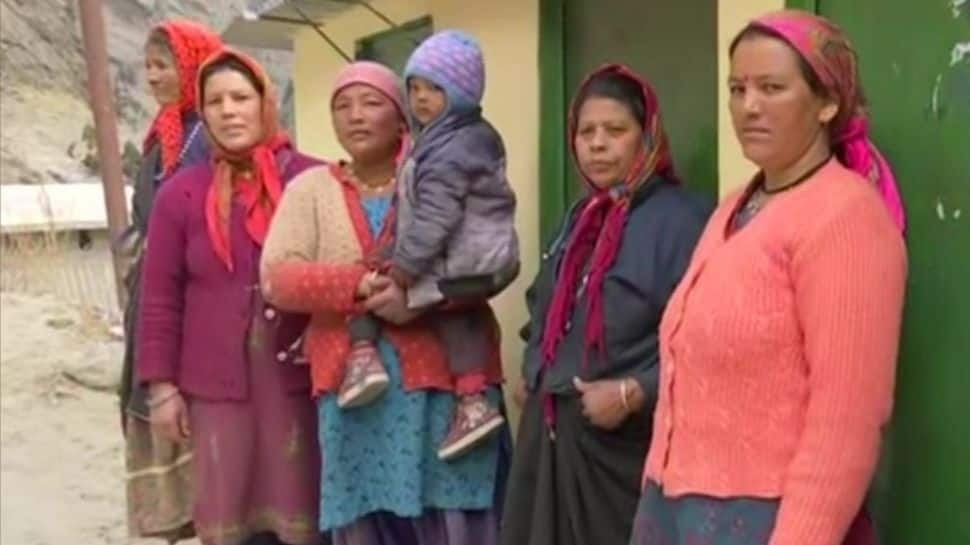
160	315
849	281
290	275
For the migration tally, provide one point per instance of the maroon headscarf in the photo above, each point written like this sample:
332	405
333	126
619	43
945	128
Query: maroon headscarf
597	233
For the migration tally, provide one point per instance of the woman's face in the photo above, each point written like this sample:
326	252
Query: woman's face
232	108
776	115
607	140
367	123
162	74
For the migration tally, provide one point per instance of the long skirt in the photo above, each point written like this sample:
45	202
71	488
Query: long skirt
158	479
696	519
257	462
579	488
435	527
158	483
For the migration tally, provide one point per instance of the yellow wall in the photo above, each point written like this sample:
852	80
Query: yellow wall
508	33
732	15
316	66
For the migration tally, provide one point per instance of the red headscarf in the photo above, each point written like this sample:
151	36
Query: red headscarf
828	51
597	233
190	44
260	193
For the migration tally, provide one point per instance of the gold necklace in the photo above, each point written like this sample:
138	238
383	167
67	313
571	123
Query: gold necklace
366	187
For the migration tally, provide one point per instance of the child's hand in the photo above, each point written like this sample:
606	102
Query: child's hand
366	287
372	283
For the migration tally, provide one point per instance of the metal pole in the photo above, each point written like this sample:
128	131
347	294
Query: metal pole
106	127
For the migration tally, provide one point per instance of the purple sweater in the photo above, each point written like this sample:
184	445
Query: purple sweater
195	314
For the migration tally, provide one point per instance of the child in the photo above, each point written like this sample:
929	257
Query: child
454	235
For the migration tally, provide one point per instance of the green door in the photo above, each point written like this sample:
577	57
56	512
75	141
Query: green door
673	43
918	87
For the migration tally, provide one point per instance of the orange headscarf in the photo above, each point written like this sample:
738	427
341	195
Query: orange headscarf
190	43
260	193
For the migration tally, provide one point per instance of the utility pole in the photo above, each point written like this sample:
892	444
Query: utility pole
106	127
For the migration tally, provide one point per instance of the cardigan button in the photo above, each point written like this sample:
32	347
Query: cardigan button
281	356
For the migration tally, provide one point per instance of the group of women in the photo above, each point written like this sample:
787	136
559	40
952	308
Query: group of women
735	395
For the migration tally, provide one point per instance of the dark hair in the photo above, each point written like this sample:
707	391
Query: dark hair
229	63
159	38
808	73
618	87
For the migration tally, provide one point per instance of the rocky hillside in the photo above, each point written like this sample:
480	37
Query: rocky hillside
45	121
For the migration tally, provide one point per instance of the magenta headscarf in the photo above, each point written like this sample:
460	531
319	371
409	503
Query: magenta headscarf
830	54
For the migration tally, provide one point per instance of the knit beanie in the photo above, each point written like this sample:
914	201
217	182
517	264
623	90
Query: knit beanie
452	60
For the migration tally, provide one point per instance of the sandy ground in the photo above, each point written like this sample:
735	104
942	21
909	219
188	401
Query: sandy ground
61	455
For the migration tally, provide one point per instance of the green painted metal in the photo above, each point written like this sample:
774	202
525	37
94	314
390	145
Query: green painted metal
919	94
807	5
576	36
552	128
393	47
673	43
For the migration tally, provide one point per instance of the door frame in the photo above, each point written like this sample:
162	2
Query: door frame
553	197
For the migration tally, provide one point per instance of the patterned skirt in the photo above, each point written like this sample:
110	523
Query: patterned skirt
704	520
434	527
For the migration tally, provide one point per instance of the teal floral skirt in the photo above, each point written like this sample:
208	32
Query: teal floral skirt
702	520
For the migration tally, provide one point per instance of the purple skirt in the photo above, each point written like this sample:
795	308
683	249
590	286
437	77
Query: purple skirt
257	462
433	528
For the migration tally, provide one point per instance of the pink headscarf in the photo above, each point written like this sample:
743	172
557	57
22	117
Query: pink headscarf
370	73
828	51
381	78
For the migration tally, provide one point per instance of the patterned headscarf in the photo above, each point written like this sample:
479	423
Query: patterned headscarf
598	230
260	193
190	44
828	51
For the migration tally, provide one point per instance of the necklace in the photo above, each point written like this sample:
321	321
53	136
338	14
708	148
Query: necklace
808	174
185	149
367	187
761	195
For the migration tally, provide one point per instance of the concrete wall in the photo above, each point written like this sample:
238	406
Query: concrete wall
508	33
734	169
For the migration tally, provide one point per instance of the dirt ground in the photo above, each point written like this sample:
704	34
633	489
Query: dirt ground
61	455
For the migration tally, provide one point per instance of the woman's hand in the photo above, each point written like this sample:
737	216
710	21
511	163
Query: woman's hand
603	401
169	415
520	395
390	304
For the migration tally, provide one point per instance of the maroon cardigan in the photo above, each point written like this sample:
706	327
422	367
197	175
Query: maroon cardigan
195	314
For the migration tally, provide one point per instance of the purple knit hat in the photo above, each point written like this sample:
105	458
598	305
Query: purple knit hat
452	60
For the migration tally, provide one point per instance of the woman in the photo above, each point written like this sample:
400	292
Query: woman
382	481
591	382
779	346
212	352
158	479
